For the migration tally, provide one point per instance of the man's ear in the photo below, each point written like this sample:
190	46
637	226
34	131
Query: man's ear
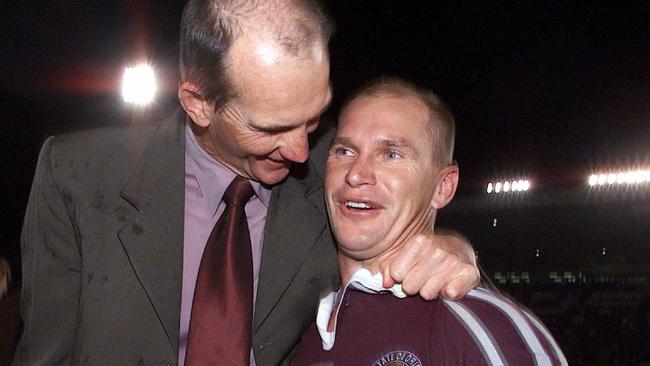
194	104
446	187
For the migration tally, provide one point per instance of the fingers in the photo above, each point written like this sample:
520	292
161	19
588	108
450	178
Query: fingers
431	289
396	267
429	273
437	281
388	281
431	265
453	280
465	279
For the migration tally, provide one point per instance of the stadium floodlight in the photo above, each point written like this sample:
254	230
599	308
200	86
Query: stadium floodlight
611	178
631	177
521	187
508	186
638	177
139	85
593	180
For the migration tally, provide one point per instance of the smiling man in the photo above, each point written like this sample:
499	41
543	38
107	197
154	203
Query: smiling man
389	170
203	239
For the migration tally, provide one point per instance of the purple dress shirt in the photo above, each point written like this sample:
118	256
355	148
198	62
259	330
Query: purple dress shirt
206	179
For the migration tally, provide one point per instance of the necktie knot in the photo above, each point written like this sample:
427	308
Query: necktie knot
238	192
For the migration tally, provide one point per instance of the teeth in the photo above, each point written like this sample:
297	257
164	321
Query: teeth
357	204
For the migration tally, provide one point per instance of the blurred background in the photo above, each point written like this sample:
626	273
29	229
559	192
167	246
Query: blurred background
551	96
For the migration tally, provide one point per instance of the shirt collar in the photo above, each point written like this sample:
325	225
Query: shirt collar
365	281
361	280
211	175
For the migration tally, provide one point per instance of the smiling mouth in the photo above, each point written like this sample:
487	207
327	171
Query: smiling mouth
358	205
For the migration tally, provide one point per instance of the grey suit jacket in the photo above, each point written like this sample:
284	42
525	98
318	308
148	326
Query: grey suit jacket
102	248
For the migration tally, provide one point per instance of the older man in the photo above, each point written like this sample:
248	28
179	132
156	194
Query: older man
150	245
389	170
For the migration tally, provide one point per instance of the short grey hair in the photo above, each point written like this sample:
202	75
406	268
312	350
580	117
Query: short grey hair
441	126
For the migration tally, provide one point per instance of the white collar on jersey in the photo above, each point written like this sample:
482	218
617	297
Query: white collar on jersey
361	280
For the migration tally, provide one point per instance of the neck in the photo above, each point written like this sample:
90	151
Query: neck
204	140
202	135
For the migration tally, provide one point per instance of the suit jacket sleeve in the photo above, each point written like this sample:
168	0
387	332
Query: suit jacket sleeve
51	264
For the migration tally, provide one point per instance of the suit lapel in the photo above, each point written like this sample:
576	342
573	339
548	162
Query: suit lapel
153	239
294	222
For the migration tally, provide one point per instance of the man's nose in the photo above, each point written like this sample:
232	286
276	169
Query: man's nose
295	146
361	172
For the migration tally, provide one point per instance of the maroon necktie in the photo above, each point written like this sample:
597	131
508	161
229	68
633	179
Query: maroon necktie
222	309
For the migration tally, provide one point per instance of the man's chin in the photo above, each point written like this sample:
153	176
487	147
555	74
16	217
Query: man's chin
272	177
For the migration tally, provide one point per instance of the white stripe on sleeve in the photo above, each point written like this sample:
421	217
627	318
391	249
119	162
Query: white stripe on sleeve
480	334
542	329
519	321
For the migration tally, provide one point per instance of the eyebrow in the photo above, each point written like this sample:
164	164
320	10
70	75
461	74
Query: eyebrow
341	141
401	143
386	143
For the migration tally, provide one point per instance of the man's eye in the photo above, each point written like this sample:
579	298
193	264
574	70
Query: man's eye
392	154
342	151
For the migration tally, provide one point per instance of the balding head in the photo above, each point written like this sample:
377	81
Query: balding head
279	28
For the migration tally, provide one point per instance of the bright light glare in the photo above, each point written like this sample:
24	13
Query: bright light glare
619	178
508	186
139	85
269	53
634	177
593	180
611	178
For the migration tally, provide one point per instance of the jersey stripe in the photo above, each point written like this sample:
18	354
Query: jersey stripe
556	347
520	322
471	322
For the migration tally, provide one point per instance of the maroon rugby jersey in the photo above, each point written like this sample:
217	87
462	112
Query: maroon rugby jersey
381	330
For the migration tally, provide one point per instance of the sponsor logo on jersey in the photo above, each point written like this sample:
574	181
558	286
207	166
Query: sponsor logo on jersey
398	358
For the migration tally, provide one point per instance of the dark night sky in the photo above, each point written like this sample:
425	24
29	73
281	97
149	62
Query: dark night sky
549	89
